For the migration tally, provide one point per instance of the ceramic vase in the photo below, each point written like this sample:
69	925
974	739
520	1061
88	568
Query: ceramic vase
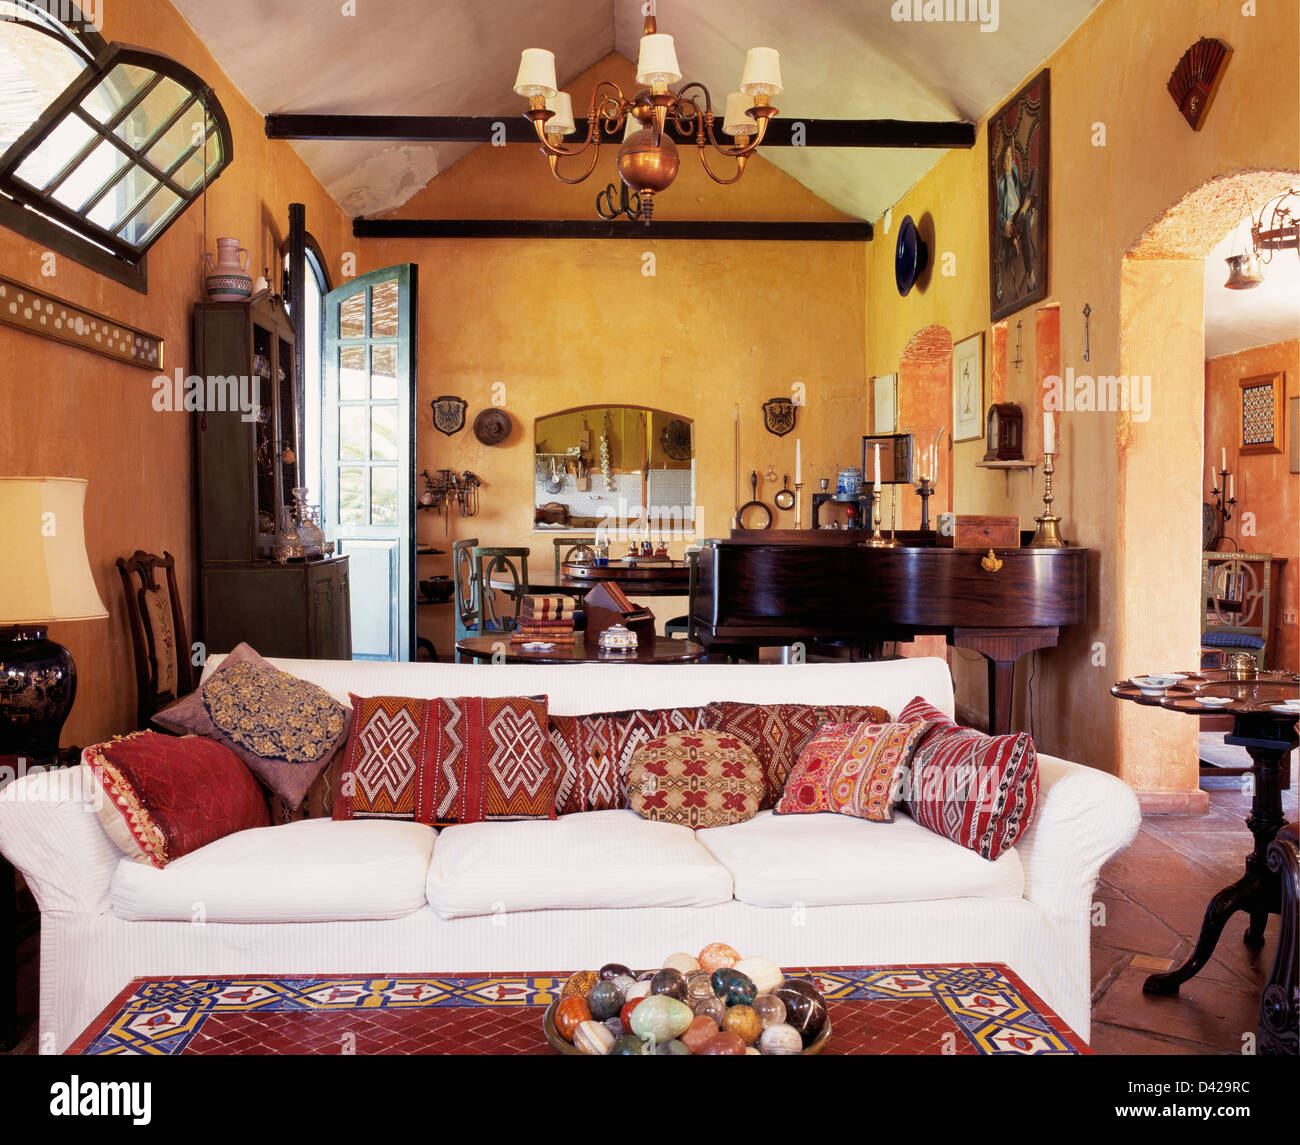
228	279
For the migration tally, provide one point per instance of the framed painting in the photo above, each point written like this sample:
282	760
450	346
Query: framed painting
884	403
1261	413
968	389
895	459
1018	178
1295	437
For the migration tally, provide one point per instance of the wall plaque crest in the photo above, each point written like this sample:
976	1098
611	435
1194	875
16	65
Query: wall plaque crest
779	415
449	414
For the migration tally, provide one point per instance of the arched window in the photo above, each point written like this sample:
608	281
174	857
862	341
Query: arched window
109	150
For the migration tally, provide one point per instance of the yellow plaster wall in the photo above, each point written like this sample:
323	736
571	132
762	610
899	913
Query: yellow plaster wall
1109	77
562	323
67	412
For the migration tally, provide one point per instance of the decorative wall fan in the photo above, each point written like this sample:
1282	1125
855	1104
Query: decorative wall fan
676	440
1196	79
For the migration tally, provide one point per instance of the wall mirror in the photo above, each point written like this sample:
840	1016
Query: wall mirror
614	466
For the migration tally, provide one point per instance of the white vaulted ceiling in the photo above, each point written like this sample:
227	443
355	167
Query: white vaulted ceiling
841	59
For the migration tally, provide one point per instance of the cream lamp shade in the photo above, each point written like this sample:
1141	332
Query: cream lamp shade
561	123
536	74
44	570
657	60
737	120
762	75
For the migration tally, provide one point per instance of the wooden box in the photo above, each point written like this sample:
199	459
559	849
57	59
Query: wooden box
976	532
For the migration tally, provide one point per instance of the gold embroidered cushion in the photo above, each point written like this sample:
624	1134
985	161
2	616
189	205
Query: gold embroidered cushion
852	769
286	730
695	779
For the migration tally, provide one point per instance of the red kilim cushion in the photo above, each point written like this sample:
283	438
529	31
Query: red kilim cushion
695	779
167	795
851	769
977	790
777	733
464	760
593	753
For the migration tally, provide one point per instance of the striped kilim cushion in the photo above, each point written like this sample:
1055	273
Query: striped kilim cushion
441	761
977	790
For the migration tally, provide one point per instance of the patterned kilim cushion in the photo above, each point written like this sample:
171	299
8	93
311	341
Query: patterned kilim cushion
851	769
169	795
977	790
777	733
593	753
695	779
464	760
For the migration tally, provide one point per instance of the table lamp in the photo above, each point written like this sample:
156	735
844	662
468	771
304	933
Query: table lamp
44	578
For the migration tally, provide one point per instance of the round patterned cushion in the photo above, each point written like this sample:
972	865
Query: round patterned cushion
695	779
273	714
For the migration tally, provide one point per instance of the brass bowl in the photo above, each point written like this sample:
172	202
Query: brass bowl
560	1046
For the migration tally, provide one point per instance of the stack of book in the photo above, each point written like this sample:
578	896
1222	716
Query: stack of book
547	619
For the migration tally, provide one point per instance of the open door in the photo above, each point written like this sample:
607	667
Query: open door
368	453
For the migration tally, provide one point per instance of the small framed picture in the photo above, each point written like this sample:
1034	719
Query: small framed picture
968	389
895	459
1261	413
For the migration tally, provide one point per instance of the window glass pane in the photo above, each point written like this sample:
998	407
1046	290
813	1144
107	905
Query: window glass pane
352	316
117	89
383	433
122	198
383	495
352	373
98	168
139	128
154	214
352	433
34	68
60	147
178	140
383	372
352	494
383	310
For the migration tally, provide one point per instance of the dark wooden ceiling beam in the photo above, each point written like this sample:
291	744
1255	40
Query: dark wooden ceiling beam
732	231
894	133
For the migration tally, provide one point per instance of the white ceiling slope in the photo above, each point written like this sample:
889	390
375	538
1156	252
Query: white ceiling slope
1242	319
841	59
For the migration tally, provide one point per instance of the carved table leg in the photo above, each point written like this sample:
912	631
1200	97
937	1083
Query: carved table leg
1242	895
1279	1009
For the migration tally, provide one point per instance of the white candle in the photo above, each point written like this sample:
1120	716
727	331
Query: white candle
798	463
877	448
1212	483
1224	463
1049	433
1232	486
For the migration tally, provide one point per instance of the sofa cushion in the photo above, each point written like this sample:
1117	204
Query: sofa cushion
165	796
598	859
979	791
466	759
834	860
697	779
315	870
593	752
777	733
285	729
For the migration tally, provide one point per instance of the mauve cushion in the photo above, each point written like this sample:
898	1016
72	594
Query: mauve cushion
287	779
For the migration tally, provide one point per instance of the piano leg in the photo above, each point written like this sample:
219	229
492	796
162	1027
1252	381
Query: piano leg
1002	647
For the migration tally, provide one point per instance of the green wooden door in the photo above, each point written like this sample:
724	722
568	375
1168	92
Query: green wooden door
368	453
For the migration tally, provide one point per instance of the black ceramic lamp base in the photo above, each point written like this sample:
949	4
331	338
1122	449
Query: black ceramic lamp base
38	683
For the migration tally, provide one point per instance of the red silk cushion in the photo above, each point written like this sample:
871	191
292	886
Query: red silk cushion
977	790
594	752
465	760
166	796
777	733
851	769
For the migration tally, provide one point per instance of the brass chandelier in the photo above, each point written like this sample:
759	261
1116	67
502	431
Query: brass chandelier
648	160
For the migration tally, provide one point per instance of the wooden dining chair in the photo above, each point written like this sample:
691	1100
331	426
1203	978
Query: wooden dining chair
573	548
685	625
1236	605
163	672
473	566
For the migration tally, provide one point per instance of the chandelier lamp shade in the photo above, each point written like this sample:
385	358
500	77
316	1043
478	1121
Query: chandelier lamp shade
648	161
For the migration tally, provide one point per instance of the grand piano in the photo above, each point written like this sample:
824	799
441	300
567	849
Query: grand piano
769	588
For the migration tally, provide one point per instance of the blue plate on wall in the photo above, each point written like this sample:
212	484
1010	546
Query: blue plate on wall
910	257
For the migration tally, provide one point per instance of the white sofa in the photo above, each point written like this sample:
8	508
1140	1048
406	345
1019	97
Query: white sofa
319	896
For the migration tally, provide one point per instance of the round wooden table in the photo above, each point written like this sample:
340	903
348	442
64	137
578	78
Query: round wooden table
1262	725
545	580
651	650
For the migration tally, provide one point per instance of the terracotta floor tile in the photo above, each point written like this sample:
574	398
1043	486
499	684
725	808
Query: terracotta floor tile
1209	1013
1157	870
1107	1039
1130	926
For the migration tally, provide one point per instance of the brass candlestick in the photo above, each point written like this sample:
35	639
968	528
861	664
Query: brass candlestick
876	541
798	505
1048	535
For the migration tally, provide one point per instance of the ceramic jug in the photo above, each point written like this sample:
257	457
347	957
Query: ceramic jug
228	278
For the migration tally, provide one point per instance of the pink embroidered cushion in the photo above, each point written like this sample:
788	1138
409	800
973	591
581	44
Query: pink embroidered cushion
851	769
165	796
469	759
979	791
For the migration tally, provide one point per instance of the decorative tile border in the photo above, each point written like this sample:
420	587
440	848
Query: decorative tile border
32	310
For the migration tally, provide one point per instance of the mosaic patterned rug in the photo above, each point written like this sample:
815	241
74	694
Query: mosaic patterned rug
873	1010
